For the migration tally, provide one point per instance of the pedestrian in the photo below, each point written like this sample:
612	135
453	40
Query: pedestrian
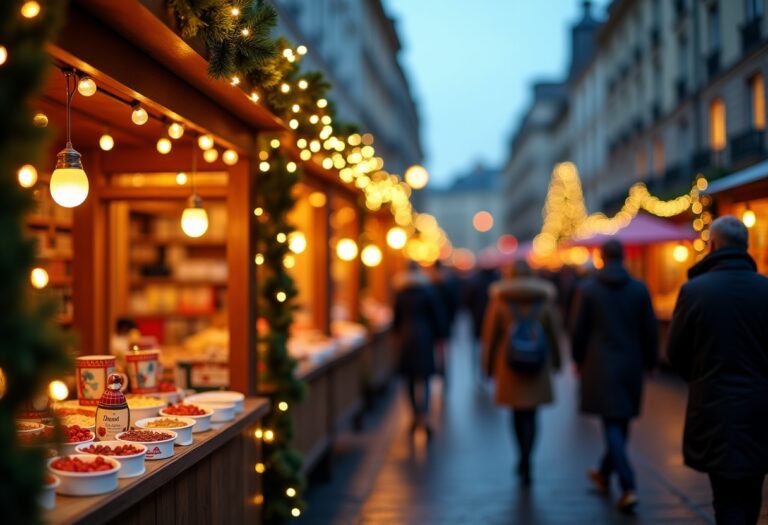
448	289
417	326
476	301
521	298
614	342
718	342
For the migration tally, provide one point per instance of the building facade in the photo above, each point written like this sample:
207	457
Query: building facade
355	44
673	88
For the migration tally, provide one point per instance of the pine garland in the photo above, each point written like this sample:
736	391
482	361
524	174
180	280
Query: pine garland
31	344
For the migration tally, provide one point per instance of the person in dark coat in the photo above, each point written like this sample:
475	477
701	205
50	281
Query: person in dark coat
448	289
417	326
718	342
614	341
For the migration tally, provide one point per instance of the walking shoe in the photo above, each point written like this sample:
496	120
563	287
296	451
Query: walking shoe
627	502
598	480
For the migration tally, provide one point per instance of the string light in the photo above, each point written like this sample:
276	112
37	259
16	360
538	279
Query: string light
254	97
3	55
322	103
269	436
30	9
416	177
302	50
314	119
175	130
303	84
295	108
230	157
40	119
290	492
297	242
58	391
139	115
39	278
164	146
27	176
346	249
281	297
371	256
291	167
285	88
258	212
680	253
281	237
282	406
106	142
396	238
235	11
260	468
259	259
210	155
205	142
264	166
86	86
181	178
749	218
245	31
295	512
274	143
235	80
293	123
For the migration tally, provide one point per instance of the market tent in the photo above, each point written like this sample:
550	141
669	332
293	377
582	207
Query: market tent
643	229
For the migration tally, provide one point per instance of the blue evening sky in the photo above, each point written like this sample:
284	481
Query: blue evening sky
471	64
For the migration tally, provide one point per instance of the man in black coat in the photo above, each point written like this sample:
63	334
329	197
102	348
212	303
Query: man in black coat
718	341
614	341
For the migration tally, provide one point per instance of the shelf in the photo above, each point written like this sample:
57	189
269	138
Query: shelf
65	319
55	257
183	241
171	315
140	282
40	221
60	281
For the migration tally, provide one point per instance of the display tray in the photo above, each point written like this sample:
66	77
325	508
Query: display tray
93	510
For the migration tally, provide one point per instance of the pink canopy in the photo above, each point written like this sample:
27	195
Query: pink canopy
643	229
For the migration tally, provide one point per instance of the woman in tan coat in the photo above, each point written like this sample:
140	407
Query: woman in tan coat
523	392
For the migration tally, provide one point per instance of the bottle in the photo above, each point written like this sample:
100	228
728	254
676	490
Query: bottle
112	415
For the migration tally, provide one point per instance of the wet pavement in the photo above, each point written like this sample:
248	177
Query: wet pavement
465	475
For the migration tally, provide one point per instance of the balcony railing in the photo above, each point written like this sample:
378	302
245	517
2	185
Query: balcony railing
750	34
748	146
713	63
702	160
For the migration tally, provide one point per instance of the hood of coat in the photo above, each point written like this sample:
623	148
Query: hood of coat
411	279
523	289
613	275
723	259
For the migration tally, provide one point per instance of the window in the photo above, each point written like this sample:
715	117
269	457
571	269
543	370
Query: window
754	9
658	157
757	101
717	131
713	25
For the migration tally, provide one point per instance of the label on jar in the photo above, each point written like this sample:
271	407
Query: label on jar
110	422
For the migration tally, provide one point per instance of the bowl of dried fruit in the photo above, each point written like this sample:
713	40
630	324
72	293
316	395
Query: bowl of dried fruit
201	415
73	436
85	474
181	425
130	455
159	444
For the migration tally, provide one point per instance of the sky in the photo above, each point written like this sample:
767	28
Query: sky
471	66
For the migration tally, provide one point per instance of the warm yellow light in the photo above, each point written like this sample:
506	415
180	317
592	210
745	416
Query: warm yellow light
305	154
235	11
175	130
259	259
69	187
245	31
30	9
701	184
749	218
258	433
371	256
164	146
264	166
86	86
40	119
3	55
290	492
235	80
106	142
303	84
269	435
302	50
482	221
317	199
254	97
416	177
285	88
258	212
260	468
291	167
322	103
210	155
396	238
314	119
289	261
194	222
281	297
301	143
274	143
181	178
680	253
295	108
346	249
205	142
27	176
39	278
281	237
58	391
328	163
230	157
282	406
139	115
293	123
297	242
295	512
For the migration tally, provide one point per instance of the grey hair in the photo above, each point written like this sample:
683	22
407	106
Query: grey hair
728	231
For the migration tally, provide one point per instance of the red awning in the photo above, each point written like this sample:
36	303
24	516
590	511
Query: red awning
643	229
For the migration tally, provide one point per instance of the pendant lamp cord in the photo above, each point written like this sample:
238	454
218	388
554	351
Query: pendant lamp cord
70	93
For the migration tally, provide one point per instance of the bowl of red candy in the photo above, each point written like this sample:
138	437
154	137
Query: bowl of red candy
85	474
73	436
159	445
201	415
130	455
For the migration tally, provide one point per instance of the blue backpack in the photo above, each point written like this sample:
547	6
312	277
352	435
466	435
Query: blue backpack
527	343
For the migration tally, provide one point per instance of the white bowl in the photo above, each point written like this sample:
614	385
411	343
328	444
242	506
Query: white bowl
202	423
147	411
130	466
67	449
222	412
155	449
219	396
86	483
170	397
184	434
47	497
30	427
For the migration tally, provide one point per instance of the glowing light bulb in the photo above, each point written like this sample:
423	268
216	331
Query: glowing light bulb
235	11
322	103
302	50
194	219
264	166
3	55
317	199
346	249
164	146
274	143
27	176
397	238
30	9
58	391
175	130
235	80
314	119
210	155
293	123
39	278
281	297
181	178
230	157
680	253
254	97
258	212
290	492
245	31
416	177
106	142
371	256
297	242
86	86
40	119
269	435
69	186
303	84
291	167
139	115
295	512
205	142
285	88
749	218
281	237
260	468
295	108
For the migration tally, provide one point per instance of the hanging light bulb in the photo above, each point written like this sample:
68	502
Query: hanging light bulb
749	218
297	242
106	142
346	249
139	115
30	9
210	155
303	84
164	146
3	55
27	176
194	219
58	391
39	278
680	253
371	256
230	157
181	178
176	130
302	50
86	86
416	177
205	141
69	183
40	119
396	238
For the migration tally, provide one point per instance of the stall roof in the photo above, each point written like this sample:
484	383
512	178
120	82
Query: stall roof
643	229
754	173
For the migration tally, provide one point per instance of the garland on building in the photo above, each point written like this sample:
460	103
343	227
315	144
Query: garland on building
31	344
